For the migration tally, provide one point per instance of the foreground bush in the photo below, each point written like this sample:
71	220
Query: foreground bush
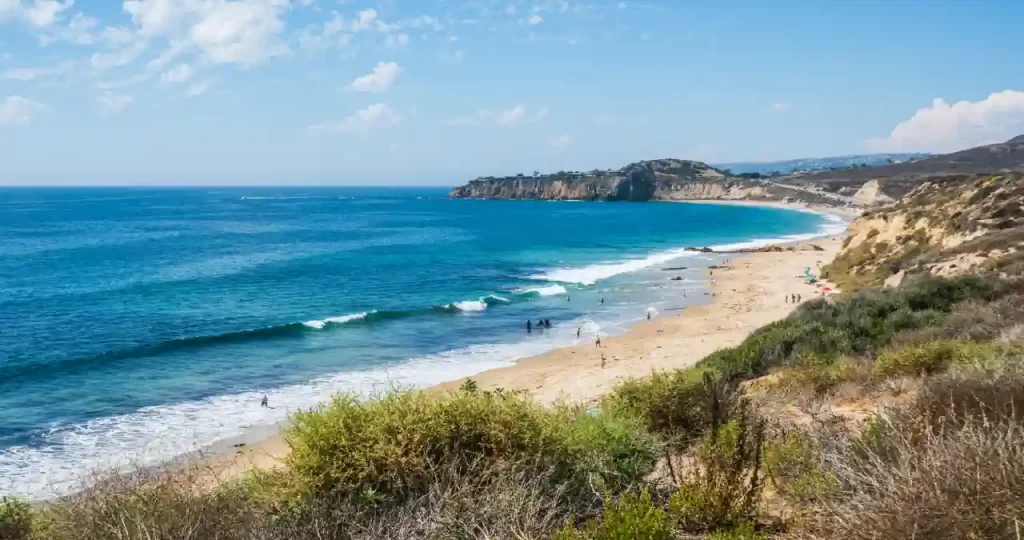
385	448
630	517
16	520
724	488
674	405
961	480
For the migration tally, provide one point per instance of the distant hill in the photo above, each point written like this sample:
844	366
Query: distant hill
816	164
896	180
659	179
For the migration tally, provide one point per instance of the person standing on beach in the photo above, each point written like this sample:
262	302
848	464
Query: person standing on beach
578	333
529	326
648	315
264	402
799	298
598	342
602	361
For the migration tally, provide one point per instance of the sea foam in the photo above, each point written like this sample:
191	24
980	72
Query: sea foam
60	462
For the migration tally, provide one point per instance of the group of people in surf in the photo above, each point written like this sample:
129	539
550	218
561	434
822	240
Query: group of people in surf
541	324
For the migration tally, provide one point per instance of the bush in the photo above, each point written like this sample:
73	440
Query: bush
961	481
630	517
673	405
384	449
725	487
744	531
792	462
993	395
15	519
932	357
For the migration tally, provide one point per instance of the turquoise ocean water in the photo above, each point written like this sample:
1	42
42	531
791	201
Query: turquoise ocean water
139	324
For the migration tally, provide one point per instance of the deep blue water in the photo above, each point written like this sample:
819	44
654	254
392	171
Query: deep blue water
142	323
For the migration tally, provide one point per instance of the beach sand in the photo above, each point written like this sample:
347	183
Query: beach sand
748	292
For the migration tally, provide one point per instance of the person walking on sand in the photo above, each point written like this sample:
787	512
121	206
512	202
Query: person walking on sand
602	360
264	402
799	298
529	326
598	342
578	332
648	315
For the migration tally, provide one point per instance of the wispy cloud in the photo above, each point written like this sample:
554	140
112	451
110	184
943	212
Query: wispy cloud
360	122
378	80
16	110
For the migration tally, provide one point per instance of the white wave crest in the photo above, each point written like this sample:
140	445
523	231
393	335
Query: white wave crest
589	275
319	324
550	290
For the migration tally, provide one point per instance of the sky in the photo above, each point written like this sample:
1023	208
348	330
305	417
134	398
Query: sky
436	92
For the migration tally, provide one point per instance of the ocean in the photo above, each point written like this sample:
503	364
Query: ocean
140	324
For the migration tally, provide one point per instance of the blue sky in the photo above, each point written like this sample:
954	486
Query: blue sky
297	92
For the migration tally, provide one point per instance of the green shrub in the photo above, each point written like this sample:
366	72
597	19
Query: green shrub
15	519
674	405
631	517
724	488
384	448
932	357
792	462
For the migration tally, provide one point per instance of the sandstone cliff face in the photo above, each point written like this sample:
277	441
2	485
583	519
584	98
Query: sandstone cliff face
947	226
666	179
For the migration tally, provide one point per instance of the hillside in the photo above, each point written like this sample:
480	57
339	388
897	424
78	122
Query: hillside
899	179
945	226
808	165
661	179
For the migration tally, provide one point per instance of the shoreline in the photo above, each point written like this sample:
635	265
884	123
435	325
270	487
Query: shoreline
746	292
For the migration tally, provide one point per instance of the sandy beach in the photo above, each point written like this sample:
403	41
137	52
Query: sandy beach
743	294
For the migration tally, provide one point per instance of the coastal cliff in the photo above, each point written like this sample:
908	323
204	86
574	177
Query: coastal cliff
661	179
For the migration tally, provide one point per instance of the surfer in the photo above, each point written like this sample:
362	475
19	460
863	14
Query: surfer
602	301
529	326
547	323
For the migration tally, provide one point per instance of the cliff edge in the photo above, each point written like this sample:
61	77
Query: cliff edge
661	179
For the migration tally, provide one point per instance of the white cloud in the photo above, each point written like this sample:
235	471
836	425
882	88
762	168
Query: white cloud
178	74
242	32
125	56
31	74
426	21
536	19
504	117
16	110
360	122
198	88
113	103
778	106
508	116
395	41
40	14
560	142
378	80
965	124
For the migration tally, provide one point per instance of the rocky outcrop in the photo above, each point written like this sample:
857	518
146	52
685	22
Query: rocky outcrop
946	226
663	179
